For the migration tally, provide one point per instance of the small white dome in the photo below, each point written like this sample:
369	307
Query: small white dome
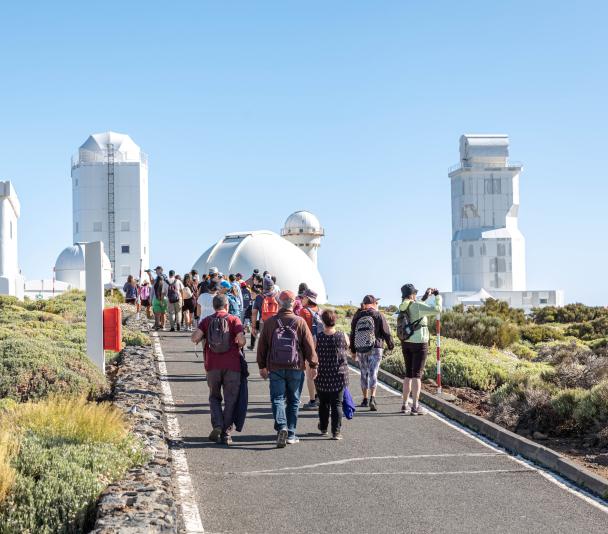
302	222
264	250
100	141
70	266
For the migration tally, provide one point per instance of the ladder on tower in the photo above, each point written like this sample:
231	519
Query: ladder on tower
111	211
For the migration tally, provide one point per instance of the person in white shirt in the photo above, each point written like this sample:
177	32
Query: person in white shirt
204	304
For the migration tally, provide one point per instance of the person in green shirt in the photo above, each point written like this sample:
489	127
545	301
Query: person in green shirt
416	348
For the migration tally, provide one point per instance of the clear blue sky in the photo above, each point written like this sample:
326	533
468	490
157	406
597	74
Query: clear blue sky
251	110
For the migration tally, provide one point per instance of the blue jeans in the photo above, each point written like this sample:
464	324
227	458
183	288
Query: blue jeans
285	390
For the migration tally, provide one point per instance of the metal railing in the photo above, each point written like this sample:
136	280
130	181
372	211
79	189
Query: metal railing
101	156
307	230
485	166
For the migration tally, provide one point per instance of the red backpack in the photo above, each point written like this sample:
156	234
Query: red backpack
270	307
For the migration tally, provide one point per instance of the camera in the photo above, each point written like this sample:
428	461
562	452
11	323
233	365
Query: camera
435	292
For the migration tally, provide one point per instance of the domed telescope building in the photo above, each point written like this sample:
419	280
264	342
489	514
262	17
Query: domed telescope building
110	201
70	267
291	258
304	230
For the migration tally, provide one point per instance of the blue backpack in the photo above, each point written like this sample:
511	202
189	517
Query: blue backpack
317	323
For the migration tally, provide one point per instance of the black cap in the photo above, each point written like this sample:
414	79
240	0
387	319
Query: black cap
408	290
171	272
256	271
370	299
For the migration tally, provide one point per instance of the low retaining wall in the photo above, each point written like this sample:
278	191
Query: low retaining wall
144	500
512	442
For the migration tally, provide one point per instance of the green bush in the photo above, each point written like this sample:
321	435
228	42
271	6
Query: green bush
540	333
479	329
571	313
590	330
134	339
522	351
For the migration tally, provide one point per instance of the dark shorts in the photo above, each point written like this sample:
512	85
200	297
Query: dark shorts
189	305
414	355
145	303
130	301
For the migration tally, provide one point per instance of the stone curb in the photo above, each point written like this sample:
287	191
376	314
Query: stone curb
510	441
144	501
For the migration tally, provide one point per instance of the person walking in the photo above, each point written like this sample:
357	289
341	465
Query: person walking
204	303
145	296
189	300
130	290
309	311
247	303
369	332
159	300
298	304
264	306
224	339
175	289
332	377
415	342
285	344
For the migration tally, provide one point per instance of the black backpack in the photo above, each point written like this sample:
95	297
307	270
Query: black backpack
173	293
218	334
405	326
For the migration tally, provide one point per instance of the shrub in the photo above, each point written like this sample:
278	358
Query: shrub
590	330
69	450
522	351
8	447
138	339
479	329
571	313
540	333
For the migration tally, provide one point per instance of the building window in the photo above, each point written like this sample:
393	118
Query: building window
501	249
125	226
493	186
544	301
484	250
125	270
75	182
125	249
96	227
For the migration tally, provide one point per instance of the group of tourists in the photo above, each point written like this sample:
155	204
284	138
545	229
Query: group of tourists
297	343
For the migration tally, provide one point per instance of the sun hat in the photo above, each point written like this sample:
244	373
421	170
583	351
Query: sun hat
408	290
213	270
311	295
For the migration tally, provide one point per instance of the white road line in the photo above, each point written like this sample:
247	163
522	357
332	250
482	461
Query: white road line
377	473
371	458
187	500
548	475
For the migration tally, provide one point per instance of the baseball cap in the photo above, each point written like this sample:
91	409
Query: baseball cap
213	270
158	267
225	284
268	284
370	299
287	295
243	284
256	271
408	290
311	295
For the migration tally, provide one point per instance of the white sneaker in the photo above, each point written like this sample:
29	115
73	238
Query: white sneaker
293	440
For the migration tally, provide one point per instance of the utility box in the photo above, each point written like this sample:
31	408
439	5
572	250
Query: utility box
112	329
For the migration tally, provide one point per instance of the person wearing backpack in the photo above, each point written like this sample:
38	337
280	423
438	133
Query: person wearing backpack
144	295
413	332
189	299
310	312
159	299
369	331
332	378
285	345
204	303
264	307
175	289
224	339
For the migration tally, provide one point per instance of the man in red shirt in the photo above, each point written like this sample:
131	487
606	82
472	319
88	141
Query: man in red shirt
224	339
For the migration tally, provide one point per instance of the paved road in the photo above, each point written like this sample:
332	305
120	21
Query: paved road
391	473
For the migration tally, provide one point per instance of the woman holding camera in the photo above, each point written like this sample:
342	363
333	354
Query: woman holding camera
416	347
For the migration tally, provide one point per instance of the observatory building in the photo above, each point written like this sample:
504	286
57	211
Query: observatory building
488	249
303	229
292	259
11	281
70	267
110	201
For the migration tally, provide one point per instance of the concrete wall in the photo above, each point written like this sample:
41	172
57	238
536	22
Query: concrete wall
525	300
11	281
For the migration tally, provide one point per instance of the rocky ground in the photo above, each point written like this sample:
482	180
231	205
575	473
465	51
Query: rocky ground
144	500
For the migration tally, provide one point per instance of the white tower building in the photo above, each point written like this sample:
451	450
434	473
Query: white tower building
110	201
304	230
11	281
488	250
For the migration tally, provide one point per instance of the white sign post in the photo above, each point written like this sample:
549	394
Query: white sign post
95	302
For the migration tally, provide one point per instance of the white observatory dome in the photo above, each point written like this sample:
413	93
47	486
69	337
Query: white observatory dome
96	146
302	222
264	250
70	267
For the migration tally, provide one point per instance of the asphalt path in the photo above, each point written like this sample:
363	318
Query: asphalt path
391	473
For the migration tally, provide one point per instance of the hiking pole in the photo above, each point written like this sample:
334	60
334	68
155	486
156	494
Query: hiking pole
438	343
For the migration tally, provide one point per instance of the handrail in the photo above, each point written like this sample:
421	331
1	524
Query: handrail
101	156
306	230
485	165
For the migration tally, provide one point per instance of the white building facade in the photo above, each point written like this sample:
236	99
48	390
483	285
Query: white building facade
110	201
11	281
488	249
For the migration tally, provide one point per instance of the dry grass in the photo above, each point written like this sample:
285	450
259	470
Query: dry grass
68	419
8	449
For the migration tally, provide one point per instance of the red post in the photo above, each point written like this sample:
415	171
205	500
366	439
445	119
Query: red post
438	343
